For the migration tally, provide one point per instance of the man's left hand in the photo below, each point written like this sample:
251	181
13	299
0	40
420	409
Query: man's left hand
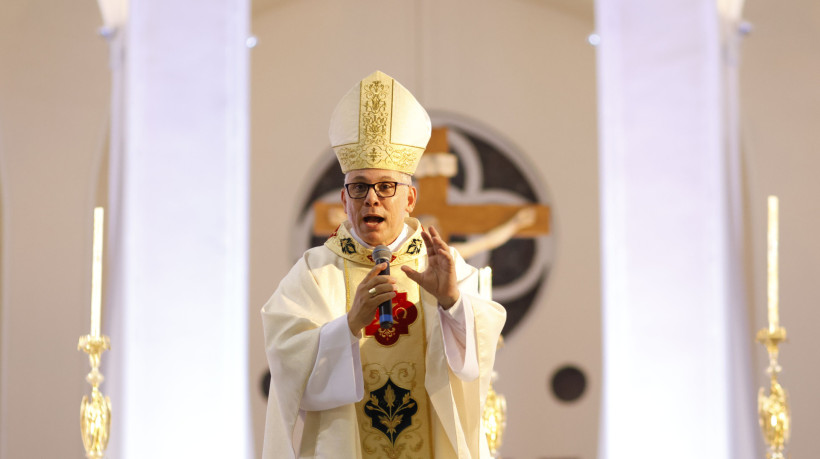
440	276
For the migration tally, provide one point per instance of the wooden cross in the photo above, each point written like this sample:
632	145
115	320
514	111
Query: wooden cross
452	219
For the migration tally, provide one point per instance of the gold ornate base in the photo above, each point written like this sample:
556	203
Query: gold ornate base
773	409
494	418
771	339
95	413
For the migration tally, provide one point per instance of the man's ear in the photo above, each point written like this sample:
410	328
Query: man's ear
344	200
411	199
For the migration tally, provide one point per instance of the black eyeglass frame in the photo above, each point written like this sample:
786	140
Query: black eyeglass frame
373	186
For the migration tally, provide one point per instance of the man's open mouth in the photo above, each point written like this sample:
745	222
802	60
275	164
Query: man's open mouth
373	219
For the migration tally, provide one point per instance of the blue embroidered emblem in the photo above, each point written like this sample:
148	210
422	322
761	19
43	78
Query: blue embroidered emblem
390	410
414	247
347	245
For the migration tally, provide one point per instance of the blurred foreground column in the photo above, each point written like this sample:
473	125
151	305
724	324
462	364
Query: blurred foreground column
670	266
180	290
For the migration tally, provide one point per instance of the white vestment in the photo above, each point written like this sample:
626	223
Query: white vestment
316	372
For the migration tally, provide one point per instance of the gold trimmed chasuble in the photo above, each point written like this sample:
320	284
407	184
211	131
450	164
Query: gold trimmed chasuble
414	406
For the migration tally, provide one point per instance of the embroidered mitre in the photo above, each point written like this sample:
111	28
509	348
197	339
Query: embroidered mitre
378	124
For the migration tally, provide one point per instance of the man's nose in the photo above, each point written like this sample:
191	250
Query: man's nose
371	198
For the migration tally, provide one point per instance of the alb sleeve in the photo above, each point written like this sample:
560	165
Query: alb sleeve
458	333
336	378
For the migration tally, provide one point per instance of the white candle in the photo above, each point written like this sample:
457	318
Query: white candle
96	272
485	283
774	315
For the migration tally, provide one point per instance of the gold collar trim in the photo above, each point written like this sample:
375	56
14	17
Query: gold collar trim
343	244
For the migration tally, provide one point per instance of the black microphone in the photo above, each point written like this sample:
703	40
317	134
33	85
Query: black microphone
381	254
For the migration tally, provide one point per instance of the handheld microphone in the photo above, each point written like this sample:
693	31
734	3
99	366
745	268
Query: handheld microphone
381	254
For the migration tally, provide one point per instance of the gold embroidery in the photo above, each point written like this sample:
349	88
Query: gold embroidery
375	148
348	299
347	245
392	435
415	246
402	373
375	116
343	245
389	425
391	410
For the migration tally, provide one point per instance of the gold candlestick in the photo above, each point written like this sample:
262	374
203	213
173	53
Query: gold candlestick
494	417
773	410
95	413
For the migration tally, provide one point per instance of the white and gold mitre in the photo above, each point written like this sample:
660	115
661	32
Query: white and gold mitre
378	124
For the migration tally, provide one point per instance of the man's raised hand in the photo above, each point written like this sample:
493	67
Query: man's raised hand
440	276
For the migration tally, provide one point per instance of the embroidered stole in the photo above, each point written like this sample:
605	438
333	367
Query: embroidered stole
394	417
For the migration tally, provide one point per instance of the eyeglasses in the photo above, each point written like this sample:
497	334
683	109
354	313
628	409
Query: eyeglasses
382	189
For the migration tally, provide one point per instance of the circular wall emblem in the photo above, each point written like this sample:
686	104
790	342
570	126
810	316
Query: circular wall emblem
490	171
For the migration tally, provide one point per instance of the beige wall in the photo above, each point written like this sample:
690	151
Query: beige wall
525	69
780	98
53	108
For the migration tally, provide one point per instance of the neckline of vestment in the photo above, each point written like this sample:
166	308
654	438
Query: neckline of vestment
343	244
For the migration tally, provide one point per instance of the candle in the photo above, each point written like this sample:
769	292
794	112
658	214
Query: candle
485	283
96	272
774	318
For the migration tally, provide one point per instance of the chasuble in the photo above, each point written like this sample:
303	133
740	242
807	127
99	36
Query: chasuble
392	393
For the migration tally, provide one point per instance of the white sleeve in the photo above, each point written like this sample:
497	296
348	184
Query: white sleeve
458	332
336	378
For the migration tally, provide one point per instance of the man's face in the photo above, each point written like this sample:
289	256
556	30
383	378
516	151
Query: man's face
379	220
